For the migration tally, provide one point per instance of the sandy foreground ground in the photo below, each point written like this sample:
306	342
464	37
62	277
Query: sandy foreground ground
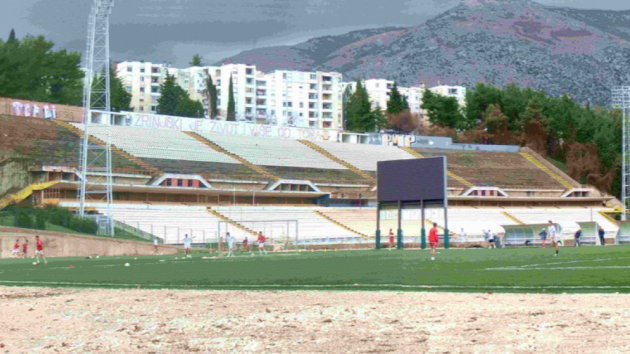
43	320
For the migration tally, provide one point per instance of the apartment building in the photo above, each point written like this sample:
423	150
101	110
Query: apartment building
458	92
303	99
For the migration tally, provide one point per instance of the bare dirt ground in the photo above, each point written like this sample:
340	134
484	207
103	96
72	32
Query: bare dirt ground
43	320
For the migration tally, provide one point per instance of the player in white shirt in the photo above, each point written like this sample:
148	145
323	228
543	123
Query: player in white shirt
187	245
230	242
463	238
155	245
553	236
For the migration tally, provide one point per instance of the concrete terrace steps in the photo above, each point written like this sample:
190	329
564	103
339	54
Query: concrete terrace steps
544	168
232	222
512	217
449	173
338	160
153	170
340	224
217	148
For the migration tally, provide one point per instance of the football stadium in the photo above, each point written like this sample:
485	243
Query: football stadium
128	231
315	202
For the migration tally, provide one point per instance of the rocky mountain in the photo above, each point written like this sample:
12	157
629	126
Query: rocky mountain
581	53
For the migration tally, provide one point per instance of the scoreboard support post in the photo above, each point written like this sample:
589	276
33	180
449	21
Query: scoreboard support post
378	226
399	235
423	230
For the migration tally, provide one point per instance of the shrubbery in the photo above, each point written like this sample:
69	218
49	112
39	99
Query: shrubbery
30	218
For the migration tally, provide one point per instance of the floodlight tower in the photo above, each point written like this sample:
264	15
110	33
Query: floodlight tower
96	159
621	99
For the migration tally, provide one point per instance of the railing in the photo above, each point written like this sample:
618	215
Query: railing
136	232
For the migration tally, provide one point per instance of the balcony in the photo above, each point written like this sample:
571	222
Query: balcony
327	88
327	107
261	93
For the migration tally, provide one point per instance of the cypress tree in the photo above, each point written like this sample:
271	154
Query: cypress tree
211	88
231	106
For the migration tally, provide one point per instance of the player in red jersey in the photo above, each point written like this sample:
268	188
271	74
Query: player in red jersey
433	240
39	250
16	249
261	243
24	248
391	238
245	245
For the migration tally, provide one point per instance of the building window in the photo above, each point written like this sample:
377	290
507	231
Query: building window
142	70
128	88
190	183
141	78
313	76
452	92
129	69
142	89
301	104
141	108
168	182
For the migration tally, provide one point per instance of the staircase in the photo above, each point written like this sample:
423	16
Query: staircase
608	217
24	193
544	168
216	147
337	160
154	171
449	173
319	213
231	222
512	217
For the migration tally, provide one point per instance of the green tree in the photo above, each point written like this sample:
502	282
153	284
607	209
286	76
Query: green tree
12	38
30	69
443	111
211	90
231	106
175	101
360	114
396	103
196	60
120	99
346	98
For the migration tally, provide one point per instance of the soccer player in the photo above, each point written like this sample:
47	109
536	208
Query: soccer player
433	240
39	250
155	245
463	237
245	244
187	245
553	236
16	249
230	242
543	237
261	243
391	238
24	248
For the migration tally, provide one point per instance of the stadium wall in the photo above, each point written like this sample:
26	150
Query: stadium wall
24	108
66	245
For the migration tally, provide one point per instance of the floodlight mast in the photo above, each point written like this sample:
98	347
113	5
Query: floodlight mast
95	159
621	100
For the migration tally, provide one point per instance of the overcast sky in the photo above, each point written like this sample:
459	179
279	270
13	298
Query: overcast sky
173	30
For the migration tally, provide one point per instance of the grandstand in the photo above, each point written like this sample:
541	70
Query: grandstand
165	180
49	144
288	159
172	151
496	169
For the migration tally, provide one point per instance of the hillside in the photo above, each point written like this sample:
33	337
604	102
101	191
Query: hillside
555	49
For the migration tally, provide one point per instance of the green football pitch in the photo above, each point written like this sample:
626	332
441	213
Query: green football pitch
575	270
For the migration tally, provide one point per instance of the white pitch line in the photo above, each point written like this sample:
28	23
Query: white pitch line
560	268
314	286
